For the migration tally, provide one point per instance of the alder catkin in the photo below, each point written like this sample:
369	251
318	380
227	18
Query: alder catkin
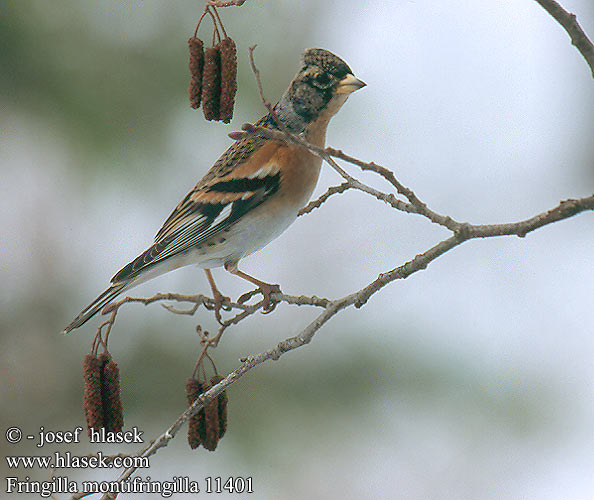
196	47
113	415
211	83
93	402
211	424
196	422
228	53
222	405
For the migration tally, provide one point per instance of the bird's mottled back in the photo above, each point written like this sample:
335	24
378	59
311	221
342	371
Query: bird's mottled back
327	61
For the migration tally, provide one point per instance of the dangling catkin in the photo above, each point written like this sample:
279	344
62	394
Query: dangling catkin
196	68
113	415
228	53
196	422
222	405
211	83
92	392
211	424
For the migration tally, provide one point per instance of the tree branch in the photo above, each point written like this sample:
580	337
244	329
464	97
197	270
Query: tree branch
317	203
564	210
569	22
225	3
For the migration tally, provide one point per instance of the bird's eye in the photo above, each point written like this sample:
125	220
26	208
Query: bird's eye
322	79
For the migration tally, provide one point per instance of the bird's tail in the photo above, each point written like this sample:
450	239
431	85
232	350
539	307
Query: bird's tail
94	307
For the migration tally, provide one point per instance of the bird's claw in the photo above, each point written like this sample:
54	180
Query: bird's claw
266	290
219	302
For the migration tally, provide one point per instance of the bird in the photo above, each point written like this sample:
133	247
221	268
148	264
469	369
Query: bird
251	194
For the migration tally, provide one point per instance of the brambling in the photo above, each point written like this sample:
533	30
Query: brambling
251	194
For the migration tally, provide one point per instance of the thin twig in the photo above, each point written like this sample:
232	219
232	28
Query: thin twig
341	188
225	3
569	22
256	73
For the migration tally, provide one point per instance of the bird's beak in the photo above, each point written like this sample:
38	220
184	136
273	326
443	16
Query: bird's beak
349	84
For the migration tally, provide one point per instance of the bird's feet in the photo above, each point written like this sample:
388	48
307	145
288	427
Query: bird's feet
220	303
266	289
219	300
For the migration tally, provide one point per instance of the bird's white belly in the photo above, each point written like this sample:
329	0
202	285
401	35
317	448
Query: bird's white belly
244	238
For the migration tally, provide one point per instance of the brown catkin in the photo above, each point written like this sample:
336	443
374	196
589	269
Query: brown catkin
202	427
228	78
113	415
222	405
196	422
92	392
196	47
211	83
211	424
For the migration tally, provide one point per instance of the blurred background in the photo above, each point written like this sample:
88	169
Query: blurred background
471	379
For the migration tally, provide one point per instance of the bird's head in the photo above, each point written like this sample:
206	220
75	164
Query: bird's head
318	90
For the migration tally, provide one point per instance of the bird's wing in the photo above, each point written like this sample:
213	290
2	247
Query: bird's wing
243	178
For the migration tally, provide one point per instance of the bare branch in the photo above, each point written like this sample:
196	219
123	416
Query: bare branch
341	188
564	210
569	22
256	73
225	3
421	208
